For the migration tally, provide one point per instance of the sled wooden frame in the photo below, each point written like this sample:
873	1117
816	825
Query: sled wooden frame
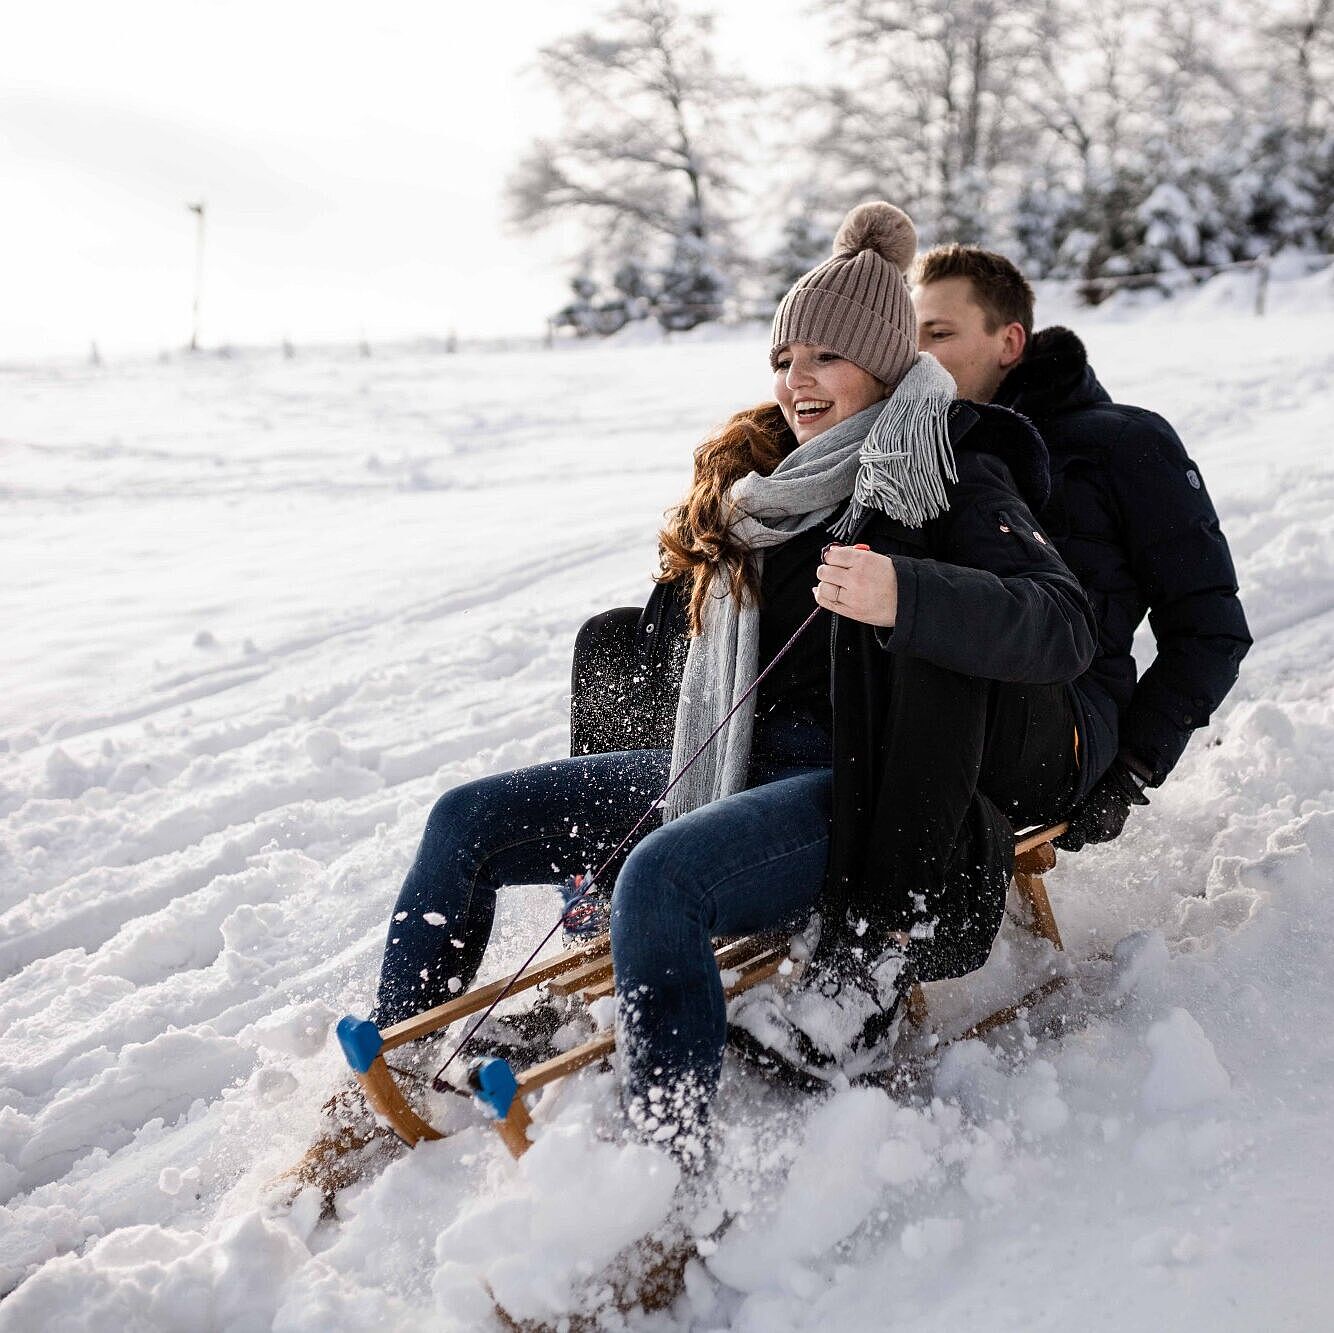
586	971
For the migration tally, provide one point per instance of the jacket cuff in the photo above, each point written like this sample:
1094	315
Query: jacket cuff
1139	768
1155	740
897	637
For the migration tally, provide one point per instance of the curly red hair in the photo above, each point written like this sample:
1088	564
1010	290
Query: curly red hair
697	543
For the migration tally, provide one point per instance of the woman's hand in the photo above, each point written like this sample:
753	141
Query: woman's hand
859	584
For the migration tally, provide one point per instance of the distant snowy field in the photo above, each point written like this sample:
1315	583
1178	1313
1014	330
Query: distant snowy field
258	613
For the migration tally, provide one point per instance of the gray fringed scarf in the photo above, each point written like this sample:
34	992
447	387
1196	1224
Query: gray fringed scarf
894	457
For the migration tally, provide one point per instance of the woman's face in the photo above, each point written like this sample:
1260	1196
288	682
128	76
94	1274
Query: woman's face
817	388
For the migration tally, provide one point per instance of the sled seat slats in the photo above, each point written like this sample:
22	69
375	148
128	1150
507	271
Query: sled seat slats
590	980
774	955
757	970
579	979
730	956
419	1025
754	958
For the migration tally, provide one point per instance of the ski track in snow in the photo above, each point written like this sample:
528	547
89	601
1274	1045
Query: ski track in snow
270	610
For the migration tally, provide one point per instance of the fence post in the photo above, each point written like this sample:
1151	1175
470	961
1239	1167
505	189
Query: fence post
1261	281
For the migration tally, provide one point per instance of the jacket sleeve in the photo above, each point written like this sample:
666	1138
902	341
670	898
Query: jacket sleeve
998	601
1181	561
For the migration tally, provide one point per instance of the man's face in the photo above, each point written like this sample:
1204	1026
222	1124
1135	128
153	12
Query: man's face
953	328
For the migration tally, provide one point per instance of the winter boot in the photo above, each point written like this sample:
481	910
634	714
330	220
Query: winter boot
585	917
839	1021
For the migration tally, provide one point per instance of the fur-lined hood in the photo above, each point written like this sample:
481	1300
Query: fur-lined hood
1054	377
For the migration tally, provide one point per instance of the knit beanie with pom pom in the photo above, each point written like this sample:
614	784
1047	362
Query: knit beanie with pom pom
857	303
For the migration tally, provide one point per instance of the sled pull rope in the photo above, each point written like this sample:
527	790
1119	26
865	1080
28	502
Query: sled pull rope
438	1081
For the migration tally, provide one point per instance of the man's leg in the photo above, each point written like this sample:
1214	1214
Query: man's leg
607	706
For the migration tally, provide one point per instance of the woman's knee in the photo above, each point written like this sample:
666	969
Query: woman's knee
654	883
463	809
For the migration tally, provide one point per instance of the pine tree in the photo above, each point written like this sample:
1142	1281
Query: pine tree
806	242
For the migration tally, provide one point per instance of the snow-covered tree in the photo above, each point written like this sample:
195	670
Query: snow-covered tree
923	116
1090	142
642	157
806	242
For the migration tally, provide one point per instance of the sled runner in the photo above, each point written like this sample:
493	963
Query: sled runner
586	972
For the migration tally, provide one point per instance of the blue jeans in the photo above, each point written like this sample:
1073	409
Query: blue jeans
753	861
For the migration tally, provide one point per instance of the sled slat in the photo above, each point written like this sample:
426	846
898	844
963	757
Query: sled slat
1028	841
757	970
741	953
539	1075
1011	1012
445	1014
578	978
593	980
750	947
599	989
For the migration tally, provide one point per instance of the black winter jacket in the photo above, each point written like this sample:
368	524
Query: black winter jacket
983	596
1130	514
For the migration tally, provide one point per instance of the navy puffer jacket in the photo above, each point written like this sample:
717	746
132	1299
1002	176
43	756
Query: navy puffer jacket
1130	513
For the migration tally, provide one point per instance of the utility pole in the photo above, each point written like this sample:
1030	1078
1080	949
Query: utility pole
198	211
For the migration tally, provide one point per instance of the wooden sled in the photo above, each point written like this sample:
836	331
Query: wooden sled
586	972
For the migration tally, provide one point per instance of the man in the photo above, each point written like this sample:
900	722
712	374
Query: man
1128	512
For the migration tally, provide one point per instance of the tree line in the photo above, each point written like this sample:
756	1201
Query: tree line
1086	142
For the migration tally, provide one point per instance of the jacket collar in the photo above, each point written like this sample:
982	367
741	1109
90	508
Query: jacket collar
1054	377
1010	437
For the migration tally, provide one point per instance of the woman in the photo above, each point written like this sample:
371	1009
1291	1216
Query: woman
855	777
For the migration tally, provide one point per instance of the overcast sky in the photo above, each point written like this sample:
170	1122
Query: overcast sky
351	156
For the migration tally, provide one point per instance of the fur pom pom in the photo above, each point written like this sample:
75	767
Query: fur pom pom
880	227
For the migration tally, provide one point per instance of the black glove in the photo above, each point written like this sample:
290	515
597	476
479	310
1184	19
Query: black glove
1104	811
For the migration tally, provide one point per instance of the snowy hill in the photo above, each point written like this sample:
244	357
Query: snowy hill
259	613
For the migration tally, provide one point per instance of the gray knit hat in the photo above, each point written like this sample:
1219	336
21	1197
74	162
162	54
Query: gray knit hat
857	303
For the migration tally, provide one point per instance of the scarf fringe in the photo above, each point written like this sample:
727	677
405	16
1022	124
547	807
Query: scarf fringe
906	457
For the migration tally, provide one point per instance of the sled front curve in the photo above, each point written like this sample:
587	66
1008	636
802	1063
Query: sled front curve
364	1045
587	971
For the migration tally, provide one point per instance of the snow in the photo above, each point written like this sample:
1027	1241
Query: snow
260	612
1186	1071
